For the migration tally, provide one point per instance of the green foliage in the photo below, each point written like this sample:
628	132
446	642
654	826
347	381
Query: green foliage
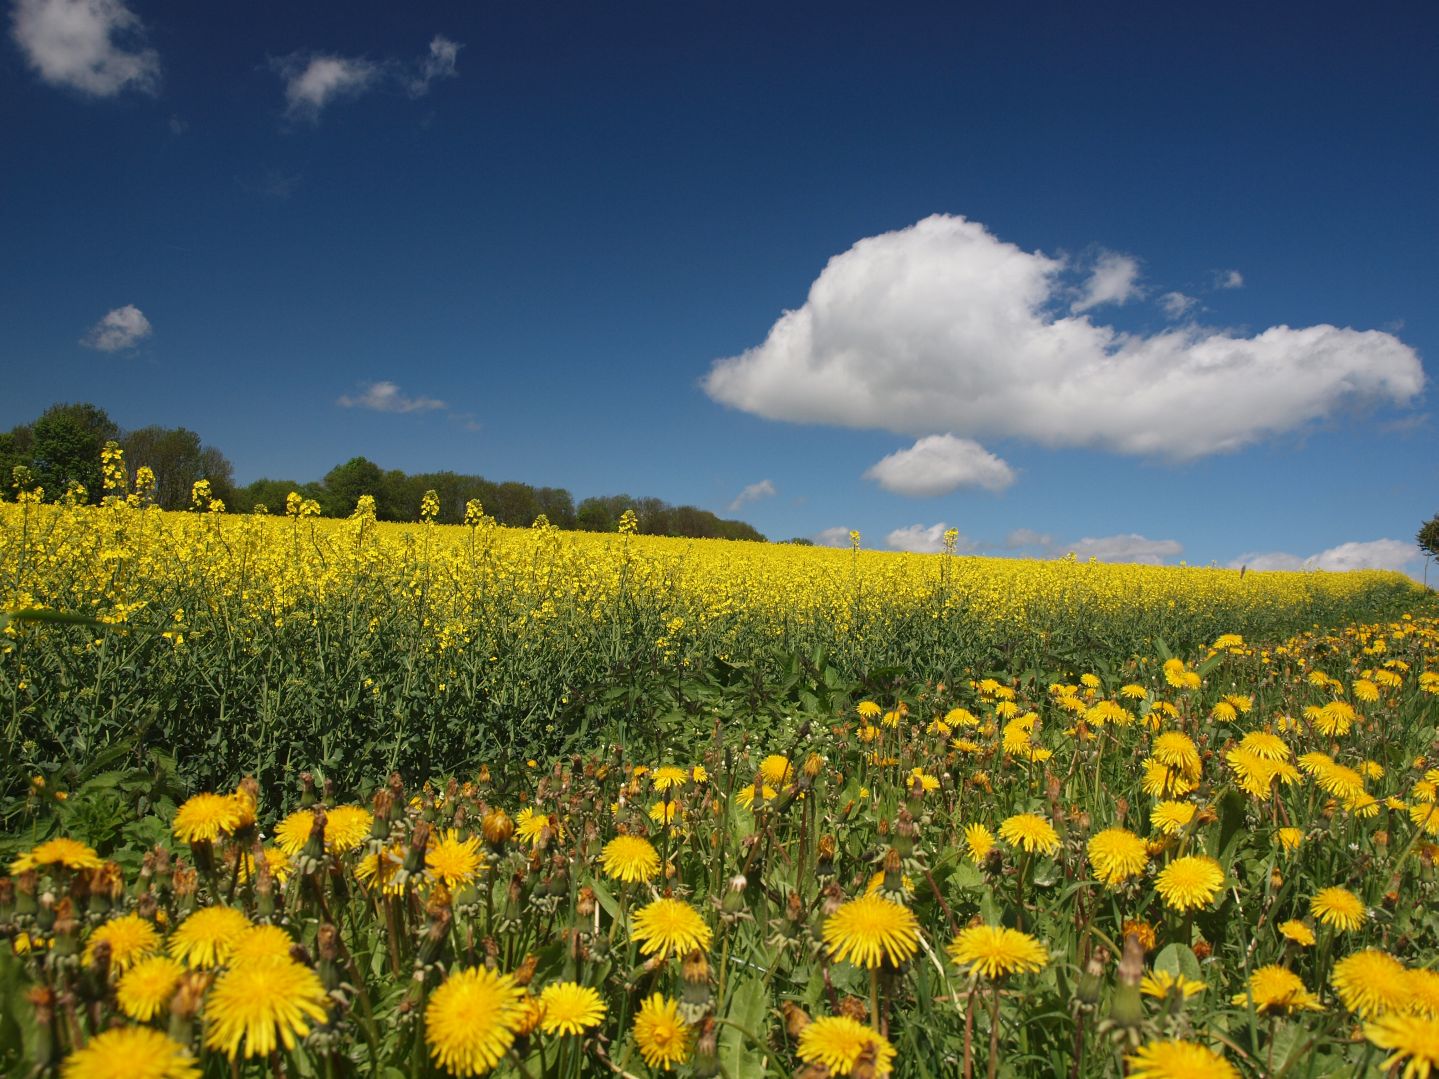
1428	537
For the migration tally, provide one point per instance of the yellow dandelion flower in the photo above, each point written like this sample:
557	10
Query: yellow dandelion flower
1414	1038
1133	692
1298	932
130	1051
206	937
59	852
1161	781
1161	983
928	783
776	770
630	858
1177	751
379	870
992	951
978	841
745	795
144	991
838	1043
1266	746
1030	832
347	827
1371	983
963	717
131	938
871	930
206	817
1290	838
1274	989
260	942
1339	907
471	1019
1189	883
570	1008
665	813
670	927
663	1038
1171	818
1178	1060
530	826
1365	690
263	1003
868	709
454	861
1116	855
1424	991
667	776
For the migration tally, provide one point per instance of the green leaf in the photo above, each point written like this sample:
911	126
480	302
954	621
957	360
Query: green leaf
1179	959
739	1057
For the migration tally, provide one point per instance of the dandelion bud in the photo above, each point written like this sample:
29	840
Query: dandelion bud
585	903
833	899
826	851
42	1003
1203	949
867	1066
307	790
733	901
706	1058
795	1019
497	827
1091	982
853	1008
415	856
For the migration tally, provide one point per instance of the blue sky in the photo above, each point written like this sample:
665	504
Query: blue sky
1135	282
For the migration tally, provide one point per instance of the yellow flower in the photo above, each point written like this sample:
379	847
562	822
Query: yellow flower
1298	932
1116	855
131	938
662	1036
1290	838
570	1008
454	861
261	941
206	937
530	826
1339	907
668	776
1189	883
1371	983
837	1043
1178	1060
264	1003
471	1020
379	870
1411	1037
62	852
1030	832
979	841
665	813
1274	989
1171	818
346	827
1176	751
669	927
776	770
130	1052
992	951
630	858
1161	983
745	795
206	817
144	991
871	930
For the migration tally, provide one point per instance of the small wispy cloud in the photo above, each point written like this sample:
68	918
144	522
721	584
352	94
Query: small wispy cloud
94	46
753	493
387	397
1176	304
939	465
315	80
1392	554
838	536
1228	279
1114	279
124	327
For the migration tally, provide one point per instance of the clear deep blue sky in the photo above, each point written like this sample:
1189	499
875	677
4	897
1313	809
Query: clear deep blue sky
523	240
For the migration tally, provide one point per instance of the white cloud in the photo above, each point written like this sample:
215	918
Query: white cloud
1228	279
94	46
124	327
1129	547
941	327
1028	537
386	397
314	82
1399	555
440	64
1114	279
940	464
1176	304
925	539
752	493
832	537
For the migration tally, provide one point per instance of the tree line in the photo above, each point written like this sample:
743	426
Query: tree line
60	451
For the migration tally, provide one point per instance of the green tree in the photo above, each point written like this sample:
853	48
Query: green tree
67	440
178	458
1428	537
344	484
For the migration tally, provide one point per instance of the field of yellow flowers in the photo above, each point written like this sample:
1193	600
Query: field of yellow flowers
291	796
260	644
1221	864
